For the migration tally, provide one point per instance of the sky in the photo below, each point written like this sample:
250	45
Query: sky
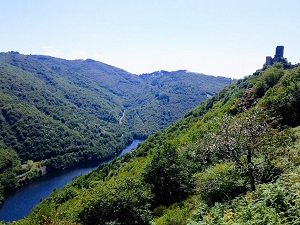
216	37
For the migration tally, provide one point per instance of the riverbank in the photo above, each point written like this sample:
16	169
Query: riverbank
19	203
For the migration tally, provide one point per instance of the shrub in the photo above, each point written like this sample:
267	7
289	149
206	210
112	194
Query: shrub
219	183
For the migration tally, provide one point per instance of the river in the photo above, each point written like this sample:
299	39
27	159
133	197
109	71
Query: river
19	203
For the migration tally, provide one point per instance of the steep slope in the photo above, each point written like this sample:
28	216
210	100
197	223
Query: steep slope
114	80
233	159
47	119
31	93
150	102
56	113
167	97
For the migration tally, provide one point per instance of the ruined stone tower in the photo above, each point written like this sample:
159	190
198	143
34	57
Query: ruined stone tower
277	57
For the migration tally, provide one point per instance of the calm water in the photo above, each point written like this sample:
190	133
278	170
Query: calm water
18	204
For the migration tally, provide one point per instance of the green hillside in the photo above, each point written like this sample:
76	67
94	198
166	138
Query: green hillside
167	96
56	113
234	159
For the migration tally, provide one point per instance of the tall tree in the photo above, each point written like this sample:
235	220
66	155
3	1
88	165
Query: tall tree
250	142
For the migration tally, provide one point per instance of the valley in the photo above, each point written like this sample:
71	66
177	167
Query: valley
232	159
20	202
57	114
149	112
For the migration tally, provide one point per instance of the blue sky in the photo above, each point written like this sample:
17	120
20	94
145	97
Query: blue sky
215	37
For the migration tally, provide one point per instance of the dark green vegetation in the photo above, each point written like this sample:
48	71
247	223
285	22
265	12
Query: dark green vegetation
60	113
166	97
232	160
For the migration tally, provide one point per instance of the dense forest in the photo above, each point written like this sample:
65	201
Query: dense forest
56	113
234	159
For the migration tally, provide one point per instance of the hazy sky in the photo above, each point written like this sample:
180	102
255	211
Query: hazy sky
216	37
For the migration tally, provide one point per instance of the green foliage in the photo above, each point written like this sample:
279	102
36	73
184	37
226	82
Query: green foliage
41	119
167	96
219	183
229	144
283	100
173	216
272	75
249	142
169	178
8	159
9	180
276	203
260	89
9	167
65	113
178	213
123	202
65	195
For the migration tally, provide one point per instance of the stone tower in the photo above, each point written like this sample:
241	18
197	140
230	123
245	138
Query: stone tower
279	54
277	57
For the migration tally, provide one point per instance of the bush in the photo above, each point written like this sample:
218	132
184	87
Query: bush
219	183
122	201
168	177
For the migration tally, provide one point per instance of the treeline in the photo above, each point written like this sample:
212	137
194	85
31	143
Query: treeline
233	159
9	167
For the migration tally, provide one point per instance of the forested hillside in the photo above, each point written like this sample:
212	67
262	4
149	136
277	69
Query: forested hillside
167	96
56	113
234	159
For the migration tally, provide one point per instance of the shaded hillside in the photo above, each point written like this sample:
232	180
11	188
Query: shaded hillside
232	160
62	113
151	103
48	119
167	97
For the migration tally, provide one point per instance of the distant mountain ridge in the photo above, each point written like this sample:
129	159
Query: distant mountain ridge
61	113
